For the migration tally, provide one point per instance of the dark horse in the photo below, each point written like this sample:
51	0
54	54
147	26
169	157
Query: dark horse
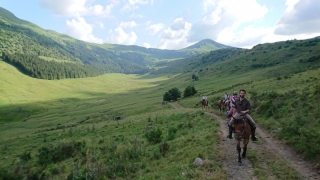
204	103
242	131
221	105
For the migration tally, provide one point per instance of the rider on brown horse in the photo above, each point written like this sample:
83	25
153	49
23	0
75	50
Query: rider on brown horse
242	107
204	97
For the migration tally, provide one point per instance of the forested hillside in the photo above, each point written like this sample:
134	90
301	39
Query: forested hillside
20	38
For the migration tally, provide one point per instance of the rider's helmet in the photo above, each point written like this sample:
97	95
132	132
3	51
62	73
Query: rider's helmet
235	93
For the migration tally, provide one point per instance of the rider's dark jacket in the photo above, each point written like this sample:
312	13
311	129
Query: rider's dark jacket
242	105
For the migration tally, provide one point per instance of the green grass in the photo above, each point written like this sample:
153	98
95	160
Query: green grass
84	110
268	166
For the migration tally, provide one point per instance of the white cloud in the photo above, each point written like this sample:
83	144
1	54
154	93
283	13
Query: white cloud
76	8
300	17
80	29
147	45
221	15
99	10
246	37
175	36
101	25
154	28
130	24
134	4
128	8
119	36
136	16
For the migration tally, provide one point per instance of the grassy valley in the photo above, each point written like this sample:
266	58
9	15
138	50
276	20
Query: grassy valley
115	125
78	114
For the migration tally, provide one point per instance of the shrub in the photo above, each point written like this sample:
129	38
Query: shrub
171	133
51	154
172	94
164	148
154	136
196	78
25	156
189	91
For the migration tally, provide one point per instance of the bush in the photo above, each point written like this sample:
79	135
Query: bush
171	133
51	154
25	156
154	136
172	94
189	91
194	77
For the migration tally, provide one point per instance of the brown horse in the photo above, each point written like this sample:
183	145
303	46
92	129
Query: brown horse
221	105
242	131
204	104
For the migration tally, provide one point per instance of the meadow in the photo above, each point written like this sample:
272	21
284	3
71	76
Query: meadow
64	129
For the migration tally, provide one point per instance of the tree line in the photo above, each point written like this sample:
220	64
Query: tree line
21	40
35	67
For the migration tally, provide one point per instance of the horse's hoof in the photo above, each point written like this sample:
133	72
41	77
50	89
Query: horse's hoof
240	163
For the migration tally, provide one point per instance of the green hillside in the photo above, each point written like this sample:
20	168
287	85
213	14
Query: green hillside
19	37
116	125
271	59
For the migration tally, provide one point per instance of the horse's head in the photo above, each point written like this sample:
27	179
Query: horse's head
239	128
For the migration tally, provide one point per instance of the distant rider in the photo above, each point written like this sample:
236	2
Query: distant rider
226	96
204	97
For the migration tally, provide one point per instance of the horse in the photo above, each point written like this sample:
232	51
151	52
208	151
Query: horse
204	104
226	104
221	105
242	130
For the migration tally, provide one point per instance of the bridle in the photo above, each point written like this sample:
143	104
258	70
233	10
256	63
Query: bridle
238	136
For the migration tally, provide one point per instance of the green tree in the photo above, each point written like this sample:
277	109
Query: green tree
172	94
189	91
175	93
194	77
167	96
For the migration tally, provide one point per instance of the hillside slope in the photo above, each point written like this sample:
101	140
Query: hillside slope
22	38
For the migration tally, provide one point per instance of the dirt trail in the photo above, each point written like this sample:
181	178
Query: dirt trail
267	143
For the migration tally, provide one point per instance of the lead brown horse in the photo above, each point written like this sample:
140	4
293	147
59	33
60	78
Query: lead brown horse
204	103
242	131
221	105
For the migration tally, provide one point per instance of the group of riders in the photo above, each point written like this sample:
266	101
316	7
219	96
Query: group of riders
237	108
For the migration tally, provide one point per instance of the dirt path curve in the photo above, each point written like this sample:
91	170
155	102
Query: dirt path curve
266	142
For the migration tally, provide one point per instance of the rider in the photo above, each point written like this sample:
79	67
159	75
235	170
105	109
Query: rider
226	96
232	100
226	100
241	108
204	97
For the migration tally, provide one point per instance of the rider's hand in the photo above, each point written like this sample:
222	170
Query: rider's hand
243	112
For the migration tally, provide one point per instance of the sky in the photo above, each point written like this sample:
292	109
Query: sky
173	24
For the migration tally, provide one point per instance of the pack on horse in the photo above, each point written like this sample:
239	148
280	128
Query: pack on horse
204	103
221	105
242	130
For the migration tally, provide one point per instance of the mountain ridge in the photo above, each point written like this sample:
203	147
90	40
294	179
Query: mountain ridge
23	37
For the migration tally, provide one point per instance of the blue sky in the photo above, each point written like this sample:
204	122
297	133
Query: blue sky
173	24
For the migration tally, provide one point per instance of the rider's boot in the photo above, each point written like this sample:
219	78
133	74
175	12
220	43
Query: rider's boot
253	134
230	132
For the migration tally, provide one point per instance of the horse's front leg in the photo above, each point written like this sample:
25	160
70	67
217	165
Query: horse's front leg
239	151
245	142
244	153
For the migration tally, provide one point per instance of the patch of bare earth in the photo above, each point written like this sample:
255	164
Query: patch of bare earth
267	145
